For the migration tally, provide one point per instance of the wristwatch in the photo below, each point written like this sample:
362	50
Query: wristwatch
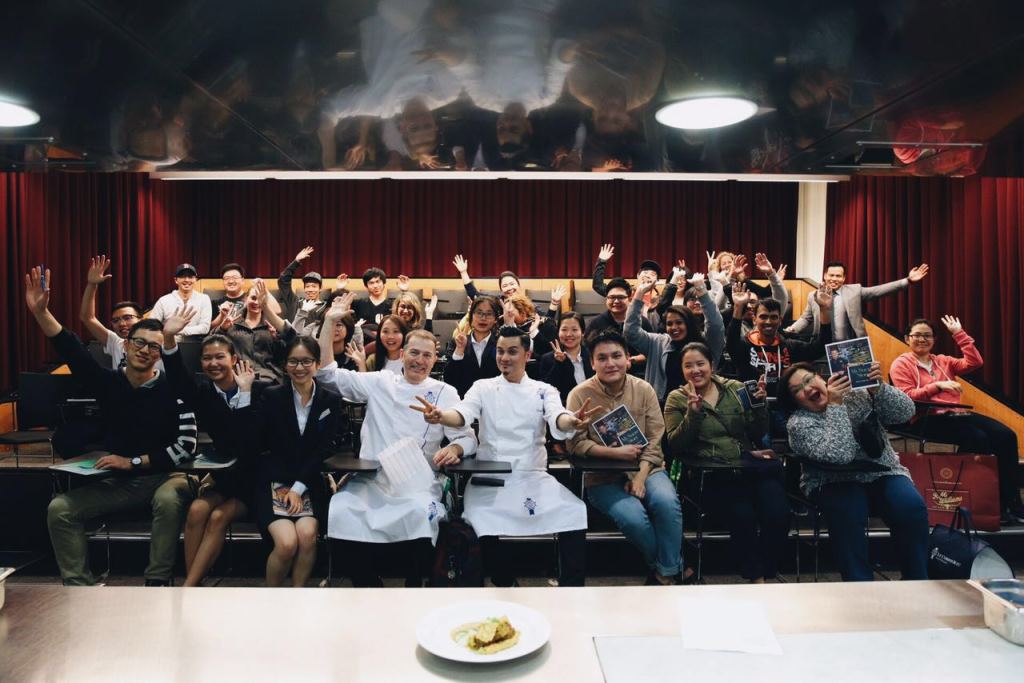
136	461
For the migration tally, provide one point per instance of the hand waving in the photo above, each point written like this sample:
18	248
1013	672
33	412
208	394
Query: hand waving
97	266
952	324
37	295
606	252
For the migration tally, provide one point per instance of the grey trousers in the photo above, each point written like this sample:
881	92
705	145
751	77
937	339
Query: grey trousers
169	495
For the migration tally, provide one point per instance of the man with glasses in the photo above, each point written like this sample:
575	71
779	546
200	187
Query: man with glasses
231	307
122	317
146	432
616	300
185	296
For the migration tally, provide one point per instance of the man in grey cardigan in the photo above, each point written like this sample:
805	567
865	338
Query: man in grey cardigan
847	313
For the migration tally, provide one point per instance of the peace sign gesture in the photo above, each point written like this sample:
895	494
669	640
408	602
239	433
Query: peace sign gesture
431	413
582	418
559	353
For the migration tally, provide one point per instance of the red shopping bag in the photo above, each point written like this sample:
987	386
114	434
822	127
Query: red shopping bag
947	481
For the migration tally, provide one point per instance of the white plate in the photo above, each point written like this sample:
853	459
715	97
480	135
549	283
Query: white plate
434	630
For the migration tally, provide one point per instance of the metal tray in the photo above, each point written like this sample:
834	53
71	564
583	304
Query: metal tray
1004	607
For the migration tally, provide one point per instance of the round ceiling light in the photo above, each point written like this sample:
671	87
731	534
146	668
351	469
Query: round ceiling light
14	115
699	113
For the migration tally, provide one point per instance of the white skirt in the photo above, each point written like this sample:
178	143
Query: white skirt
364	510
531	502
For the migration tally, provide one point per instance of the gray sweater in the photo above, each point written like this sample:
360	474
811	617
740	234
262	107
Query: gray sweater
656	346
829	437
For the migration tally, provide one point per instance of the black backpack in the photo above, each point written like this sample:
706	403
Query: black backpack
457	561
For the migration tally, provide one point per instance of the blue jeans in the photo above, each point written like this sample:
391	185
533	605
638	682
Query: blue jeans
653	524
846	506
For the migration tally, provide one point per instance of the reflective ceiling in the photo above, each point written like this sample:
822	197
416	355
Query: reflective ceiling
921	87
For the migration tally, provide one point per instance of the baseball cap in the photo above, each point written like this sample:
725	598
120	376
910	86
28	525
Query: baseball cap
650	265
184	268
313	276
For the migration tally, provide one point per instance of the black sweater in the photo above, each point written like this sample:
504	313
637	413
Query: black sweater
147	420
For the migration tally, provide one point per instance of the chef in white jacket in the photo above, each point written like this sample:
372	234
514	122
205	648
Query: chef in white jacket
366	509
513	410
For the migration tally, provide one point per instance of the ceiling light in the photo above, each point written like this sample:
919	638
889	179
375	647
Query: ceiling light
13	115
699	113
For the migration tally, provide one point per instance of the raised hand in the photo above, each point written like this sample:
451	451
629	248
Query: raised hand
606	252
535	325
699	285
97	266
838	387
509	313
431	306
403	283
261	290
309	304
431	413
740	298
342	281
460	343
763	264
919	273
762	388
642	289
556	348
823	296
694	402
245	375
557	294
177	321
461	264
781	272
952	324
712	263
357	354
583	417
739	267
339	307
304	254
681	264
37	292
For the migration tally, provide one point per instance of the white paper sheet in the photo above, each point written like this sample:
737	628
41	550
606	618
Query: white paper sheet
726	625
406	468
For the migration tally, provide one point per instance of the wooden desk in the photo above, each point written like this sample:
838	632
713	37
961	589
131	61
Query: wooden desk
368	634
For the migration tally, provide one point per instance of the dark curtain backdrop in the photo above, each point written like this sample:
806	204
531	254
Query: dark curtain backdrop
536	228
969	231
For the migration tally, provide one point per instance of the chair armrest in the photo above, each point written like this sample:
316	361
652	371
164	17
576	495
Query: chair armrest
603	464
348	463
474	466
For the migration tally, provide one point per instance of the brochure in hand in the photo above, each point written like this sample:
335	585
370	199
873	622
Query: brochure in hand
853	357
279	492
618	428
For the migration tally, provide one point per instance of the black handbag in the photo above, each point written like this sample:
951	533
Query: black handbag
956	552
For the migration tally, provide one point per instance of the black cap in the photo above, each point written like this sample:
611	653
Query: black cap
185	268
650	265
313	276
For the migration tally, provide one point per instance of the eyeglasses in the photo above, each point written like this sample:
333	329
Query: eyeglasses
617	297
127	318
924	337
808	378
296	362
140	343
481	313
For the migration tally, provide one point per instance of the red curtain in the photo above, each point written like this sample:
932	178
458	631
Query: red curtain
968	230
549	228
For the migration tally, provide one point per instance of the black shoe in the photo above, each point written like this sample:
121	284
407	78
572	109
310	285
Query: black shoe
158	582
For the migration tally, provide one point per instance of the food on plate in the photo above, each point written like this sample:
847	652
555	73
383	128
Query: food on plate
486	637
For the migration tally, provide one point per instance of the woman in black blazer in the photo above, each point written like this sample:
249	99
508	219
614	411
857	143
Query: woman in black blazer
484	317
556	366
296	425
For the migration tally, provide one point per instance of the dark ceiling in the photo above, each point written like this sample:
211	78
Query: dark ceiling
922	87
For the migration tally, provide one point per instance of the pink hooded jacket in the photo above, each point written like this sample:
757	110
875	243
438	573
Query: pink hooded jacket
913	380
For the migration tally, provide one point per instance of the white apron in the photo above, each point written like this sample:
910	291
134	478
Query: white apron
512	420
365	509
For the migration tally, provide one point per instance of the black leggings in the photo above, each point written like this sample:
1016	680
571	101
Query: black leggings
975	433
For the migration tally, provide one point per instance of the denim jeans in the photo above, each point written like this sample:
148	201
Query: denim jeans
169	496
653	524
846	507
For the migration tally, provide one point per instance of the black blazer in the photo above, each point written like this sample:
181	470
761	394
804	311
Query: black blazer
462	373
289	456
561	375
